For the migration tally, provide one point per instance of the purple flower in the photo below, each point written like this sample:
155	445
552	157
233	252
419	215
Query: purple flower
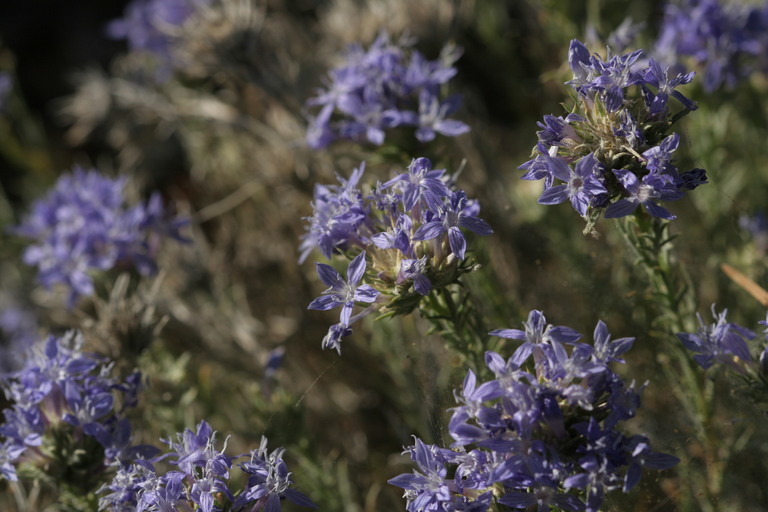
718	342
269	481
472	397
397	238
382	88
449	218
429	490
544	440
370	116
726	40
64	390
432	117
413	270
537	333
592	75
641	456
562	368
203	479
582	184
657	158
538	168
335	334
83	225
556	131
605	350
122	493
339	212
421	184
763	363
665	87
622	104
582	63
689	180
344	293
148	26
623	401
644	192
431	74
9	453
203	468
197	449
629	130
616	75
408	226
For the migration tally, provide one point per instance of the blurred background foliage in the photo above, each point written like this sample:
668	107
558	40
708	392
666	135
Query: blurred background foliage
223	140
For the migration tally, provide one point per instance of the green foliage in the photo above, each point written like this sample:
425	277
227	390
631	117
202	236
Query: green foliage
233	132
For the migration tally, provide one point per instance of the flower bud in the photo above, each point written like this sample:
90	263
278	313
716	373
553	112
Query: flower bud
764	363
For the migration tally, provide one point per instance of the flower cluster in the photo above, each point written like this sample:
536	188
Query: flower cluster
411	229
722	342
67	412
726	345
200	480
728	42
613	153
388	85
149	25
83	225
545	438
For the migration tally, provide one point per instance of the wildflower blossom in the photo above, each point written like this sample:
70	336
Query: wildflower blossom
413	270
537	333
338	213
448	219
724	344
84	225
718	342
613	152
398	237
335	334
344	293
582	184
641	192
412	230
64	395
432	117
269	481
658	77
202	478
547	438
149	25
607	351
421	184
428	489
387	86
726	41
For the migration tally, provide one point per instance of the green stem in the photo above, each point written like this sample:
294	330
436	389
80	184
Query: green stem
672	301
456	317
